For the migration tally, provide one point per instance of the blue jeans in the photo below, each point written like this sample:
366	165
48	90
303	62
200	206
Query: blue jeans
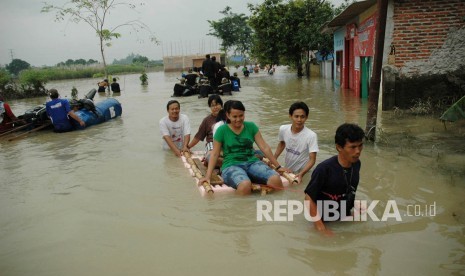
256	172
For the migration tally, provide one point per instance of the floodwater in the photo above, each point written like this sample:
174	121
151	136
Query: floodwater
109	201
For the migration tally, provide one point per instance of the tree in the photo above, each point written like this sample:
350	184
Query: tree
91	61
95	13
33	82
233	31
17	65
268	24
5	79
69	62
287	31
127	60
140	59
80	61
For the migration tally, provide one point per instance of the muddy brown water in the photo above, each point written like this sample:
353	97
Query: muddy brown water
109	201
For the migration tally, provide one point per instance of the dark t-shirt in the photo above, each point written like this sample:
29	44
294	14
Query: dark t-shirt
191	79
115	87
208	68
206	129
330	181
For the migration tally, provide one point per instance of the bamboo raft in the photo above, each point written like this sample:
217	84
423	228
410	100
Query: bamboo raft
193	162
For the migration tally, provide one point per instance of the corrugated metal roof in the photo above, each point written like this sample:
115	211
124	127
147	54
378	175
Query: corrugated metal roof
350	12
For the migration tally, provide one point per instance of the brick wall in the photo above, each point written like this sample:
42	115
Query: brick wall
422	26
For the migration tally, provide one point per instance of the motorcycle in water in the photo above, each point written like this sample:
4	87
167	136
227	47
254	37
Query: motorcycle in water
182	89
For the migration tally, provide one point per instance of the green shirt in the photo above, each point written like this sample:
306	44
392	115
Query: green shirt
237	148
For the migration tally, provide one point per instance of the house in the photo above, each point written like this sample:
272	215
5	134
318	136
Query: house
423	54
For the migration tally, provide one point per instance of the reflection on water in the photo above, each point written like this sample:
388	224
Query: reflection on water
108	200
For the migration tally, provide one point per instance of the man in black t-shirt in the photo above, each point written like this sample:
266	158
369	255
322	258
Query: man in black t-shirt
115	86
335	180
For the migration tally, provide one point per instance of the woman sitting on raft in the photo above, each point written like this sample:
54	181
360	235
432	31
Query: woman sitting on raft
240	165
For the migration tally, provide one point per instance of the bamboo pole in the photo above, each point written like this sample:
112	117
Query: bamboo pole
289	176
198	174
263	189
30	131
15	129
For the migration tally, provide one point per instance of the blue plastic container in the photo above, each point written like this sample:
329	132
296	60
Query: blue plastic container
106	110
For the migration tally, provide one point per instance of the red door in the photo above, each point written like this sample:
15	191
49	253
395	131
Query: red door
349	64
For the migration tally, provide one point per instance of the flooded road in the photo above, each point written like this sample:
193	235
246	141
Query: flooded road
109	201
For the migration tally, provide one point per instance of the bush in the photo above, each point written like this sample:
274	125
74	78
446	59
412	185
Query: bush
144	79
5	79
33	82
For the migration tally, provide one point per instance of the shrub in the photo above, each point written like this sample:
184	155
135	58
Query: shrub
5	79
144	79
33	82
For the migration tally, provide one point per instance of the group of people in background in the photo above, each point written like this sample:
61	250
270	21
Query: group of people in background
247	70
217	73
211	78
114	86
230	143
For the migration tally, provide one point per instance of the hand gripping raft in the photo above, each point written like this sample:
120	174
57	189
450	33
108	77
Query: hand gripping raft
289	176
197	173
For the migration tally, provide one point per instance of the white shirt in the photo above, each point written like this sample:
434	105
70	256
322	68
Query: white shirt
298	146
176	130
216	126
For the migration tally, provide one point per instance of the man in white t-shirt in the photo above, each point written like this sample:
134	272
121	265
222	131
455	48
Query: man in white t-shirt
299	142
175	129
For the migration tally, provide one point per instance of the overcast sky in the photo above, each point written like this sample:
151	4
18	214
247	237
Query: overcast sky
180	25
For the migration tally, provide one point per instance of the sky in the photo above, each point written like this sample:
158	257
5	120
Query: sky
180	25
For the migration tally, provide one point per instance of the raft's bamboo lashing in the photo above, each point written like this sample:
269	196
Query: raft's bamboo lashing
262	188
197	172
289	176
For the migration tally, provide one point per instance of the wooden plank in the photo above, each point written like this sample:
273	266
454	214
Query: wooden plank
15	129
30	131
215	179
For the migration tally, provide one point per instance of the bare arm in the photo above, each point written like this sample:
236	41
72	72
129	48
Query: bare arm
194	142
308	166
172	146
265	148
76	117
212	163
185	142
318	223
279	149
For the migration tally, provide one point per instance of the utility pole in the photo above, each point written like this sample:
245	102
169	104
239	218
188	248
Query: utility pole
11	54
373	96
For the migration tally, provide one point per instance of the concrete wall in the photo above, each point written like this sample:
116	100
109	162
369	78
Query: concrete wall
429	61
421	29
326	69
